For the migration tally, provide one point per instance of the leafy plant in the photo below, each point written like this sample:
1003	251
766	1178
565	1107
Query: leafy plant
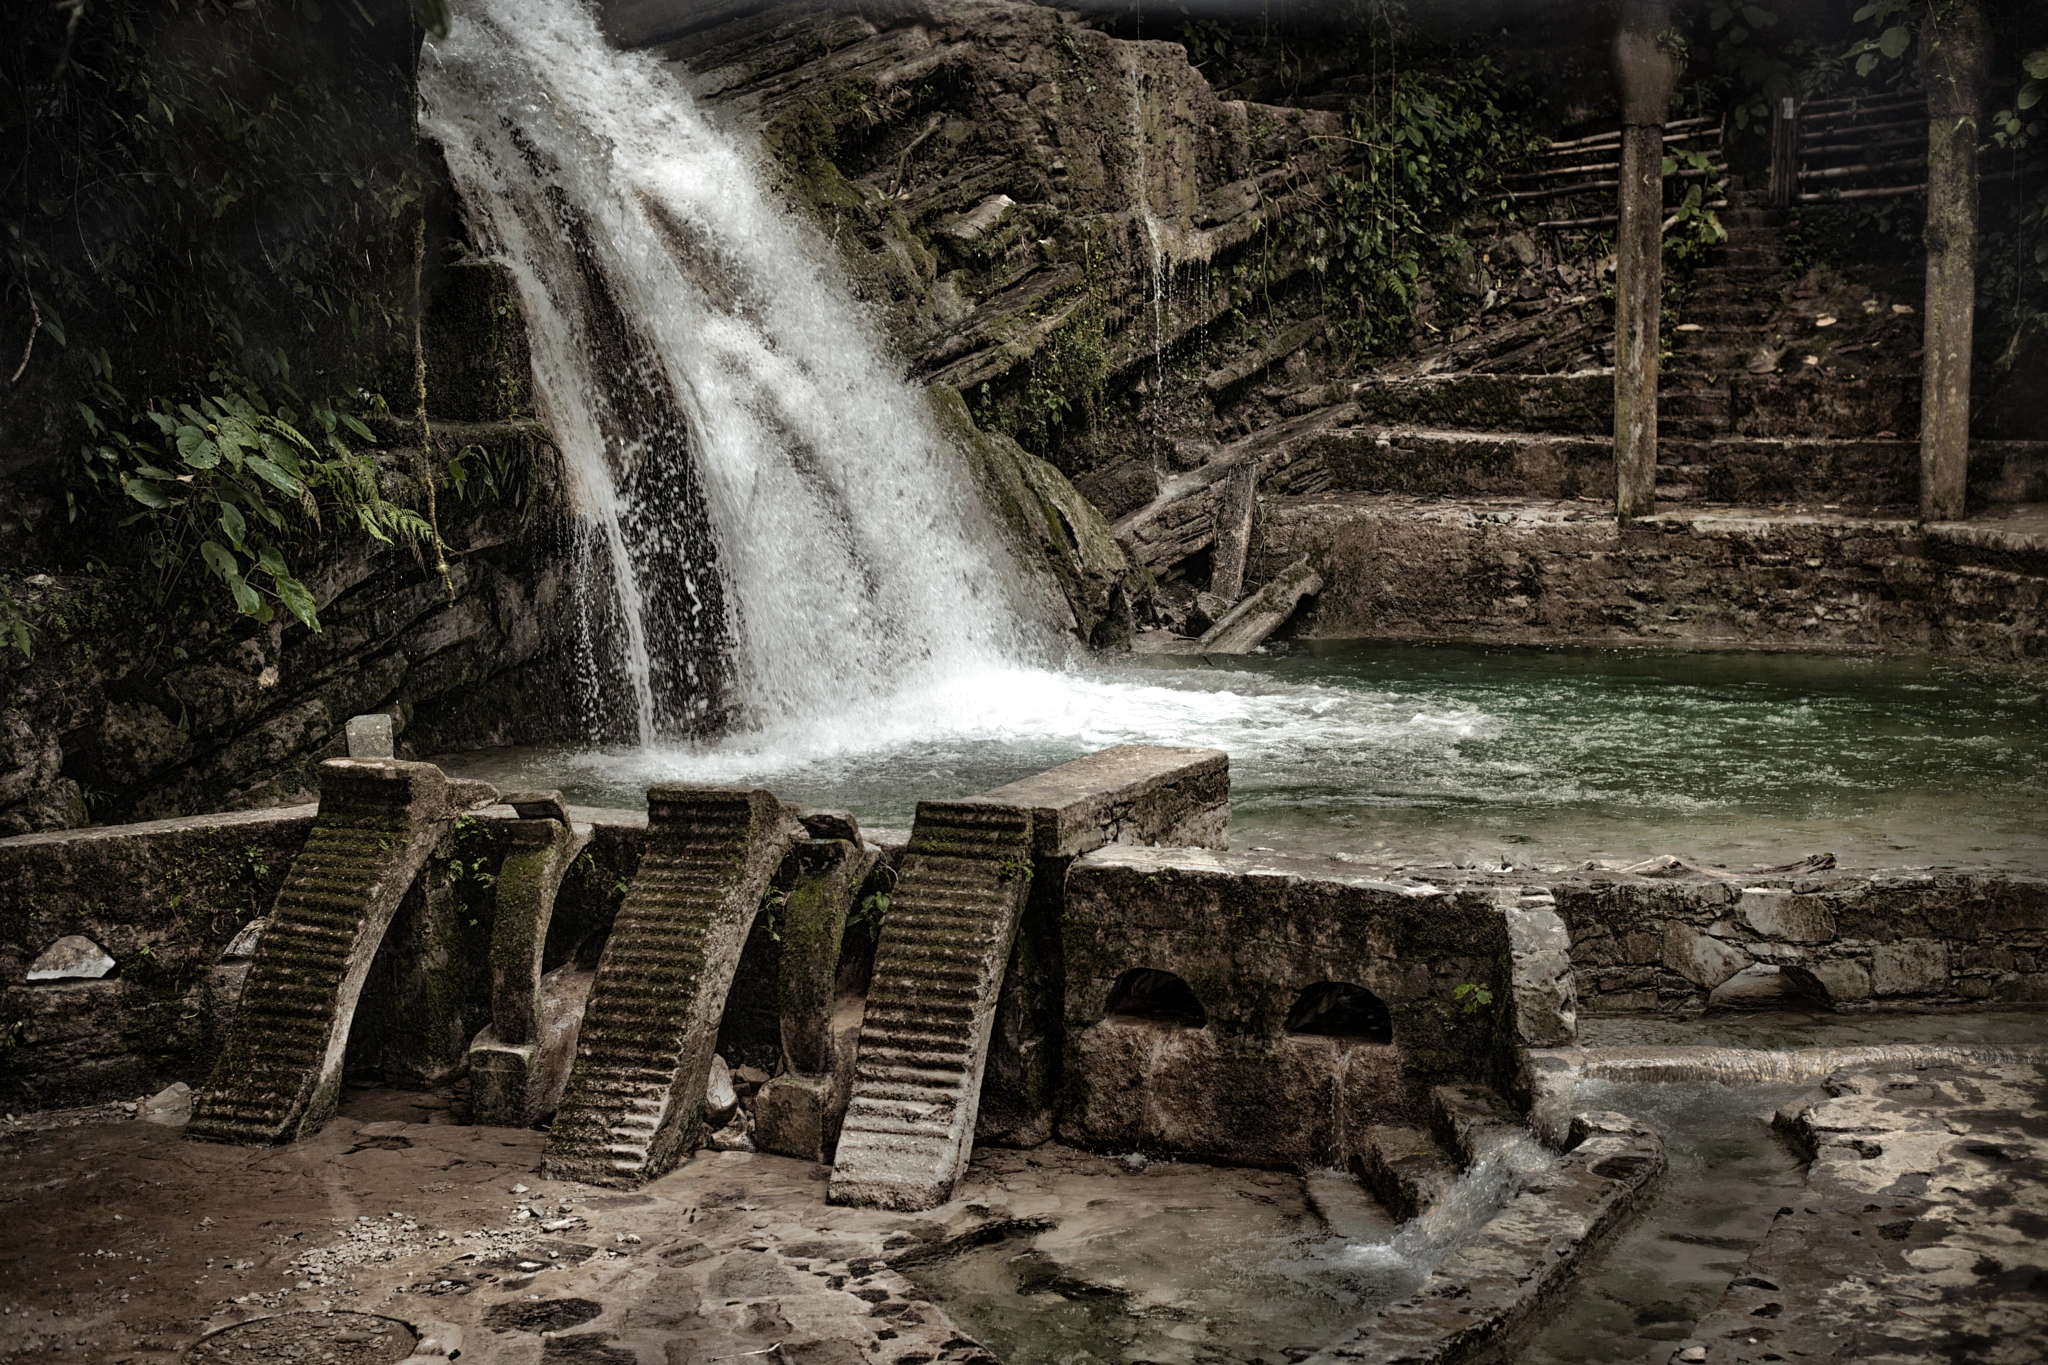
1430	151
869	914
770	916
1013	869
228	482
1893	20
1473	997
1694	228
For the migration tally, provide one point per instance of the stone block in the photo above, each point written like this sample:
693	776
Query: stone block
1546	998
1699	958
1914	967
371	737
1404	1169
1245	626
1129	794
1843	978
793	1117
818	881
1786	917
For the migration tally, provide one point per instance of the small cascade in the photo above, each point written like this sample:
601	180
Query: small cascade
1141	196
771	523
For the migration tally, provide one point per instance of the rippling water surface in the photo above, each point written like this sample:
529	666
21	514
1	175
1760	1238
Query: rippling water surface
1539	758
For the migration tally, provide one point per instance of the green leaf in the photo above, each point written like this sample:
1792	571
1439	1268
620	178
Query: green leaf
1894	40
144	493
247	599
1866	64
220	561
298	600
271	562
1758	17
2035	64
272	475
231	522
1867	12
2030	95
196	449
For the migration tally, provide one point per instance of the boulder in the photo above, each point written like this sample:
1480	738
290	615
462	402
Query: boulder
1788	918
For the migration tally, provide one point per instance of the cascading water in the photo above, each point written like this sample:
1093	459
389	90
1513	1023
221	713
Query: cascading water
1141	195
772	524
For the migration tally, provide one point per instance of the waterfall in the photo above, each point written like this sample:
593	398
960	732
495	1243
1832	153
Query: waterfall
771	524
1142	196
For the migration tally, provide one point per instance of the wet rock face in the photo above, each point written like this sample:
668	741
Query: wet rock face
1021	194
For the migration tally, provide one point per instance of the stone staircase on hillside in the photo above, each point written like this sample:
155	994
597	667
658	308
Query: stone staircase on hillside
1733	297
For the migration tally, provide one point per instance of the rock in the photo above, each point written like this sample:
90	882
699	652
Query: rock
1781	915
1842	978
985	215
748	1079
243	945
1914	967
371	737
831	824
171	1106
73	957
720	1099
1699	958
1247	625
733	1137
1207	610
1522	246
546	805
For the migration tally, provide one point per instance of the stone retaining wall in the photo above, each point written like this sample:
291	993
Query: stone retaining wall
1906	939
1518	571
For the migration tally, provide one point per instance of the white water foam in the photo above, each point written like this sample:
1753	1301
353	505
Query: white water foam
849	554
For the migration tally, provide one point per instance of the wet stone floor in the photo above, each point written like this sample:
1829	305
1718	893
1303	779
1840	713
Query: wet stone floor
129	1245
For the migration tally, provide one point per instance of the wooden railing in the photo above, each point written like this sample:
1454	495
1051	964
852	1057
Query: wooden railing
1580	179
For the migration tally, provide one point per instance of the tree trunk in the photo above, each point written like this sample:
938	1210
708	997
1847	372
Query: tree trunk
1955	47
1645	73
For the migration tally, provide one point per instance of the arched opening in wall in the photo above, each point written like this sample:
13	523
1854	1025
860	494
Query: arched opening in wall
1338	1009
1148	993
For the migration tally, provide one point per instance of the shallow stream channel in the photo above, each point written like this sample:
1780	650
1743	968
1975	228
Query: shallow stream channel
1120	1259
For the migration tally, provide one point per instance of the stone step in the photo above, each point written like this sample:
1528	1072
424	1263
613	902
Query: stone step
280	1068
1449	463
634	1101
908	1130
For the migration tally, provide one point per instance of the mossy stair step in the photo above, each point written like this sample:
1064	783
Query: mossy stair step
938	969
279	1072
634	1101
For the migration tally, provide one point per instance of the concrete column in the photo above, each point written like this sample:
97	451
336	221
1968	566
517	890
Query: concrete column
1955	49
1645	74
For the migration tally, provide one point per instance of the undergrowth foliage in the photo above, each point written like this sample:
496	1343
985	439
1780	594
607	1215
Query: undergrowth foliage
199	189
1429	151
228	482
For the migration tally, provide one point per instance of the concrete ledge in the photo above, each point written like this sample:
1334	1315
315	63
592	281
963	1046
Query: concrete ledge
1129	794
